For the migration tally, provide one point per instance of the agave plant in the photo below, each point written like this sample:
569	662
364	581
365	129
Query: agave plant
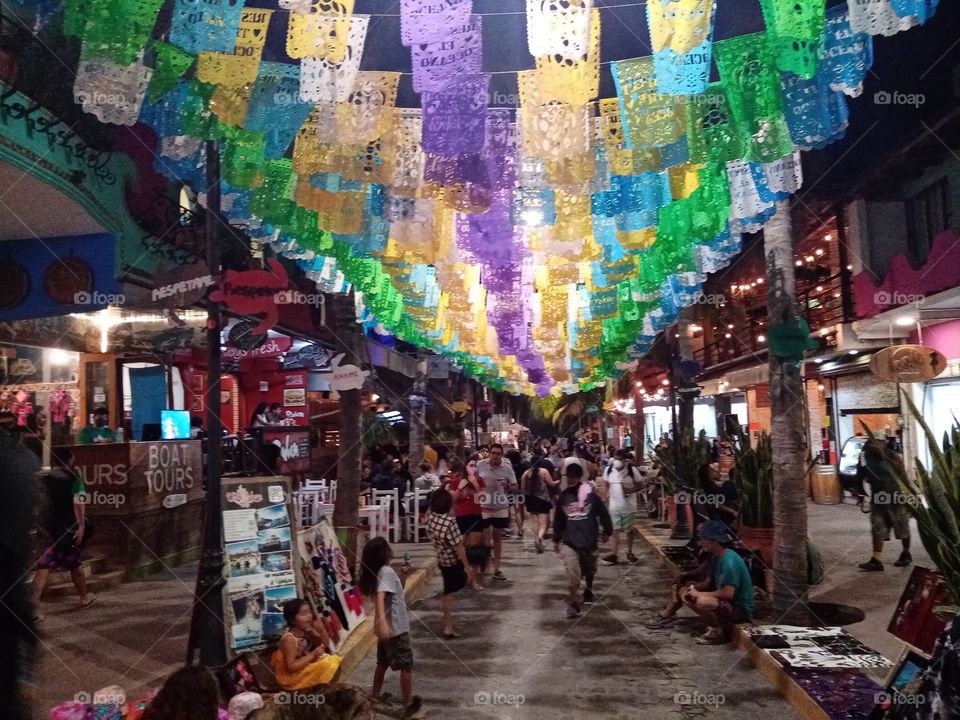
753	474
935	502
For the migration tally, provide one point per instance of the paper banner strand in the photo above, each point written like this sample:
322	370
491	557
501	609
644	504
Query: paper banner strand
211	25
847	56
322	80
239	67
439	64
422	21
681	36
110	92
122	43
320	30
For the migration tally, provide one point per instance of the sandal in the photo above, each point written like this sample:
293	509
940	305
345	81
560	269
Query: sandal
659	623
91	601
450	635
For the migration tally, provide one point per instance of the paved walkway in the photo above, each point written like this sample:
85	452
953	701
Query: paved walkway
516	640
519	657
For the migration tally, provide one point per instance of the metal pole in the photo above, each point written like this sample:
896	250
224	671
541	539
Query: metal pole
681	530
207	631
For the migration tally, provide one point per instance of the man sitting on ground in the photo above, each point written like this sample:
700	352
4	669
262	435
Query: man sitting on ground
725	597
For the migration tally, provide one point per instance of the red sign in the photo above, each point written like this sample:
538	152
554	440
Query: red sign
272	348
252	292
296	380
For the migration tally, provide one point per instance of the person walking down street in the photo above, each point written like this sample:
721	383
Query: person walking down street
519	468
622	481
498	480
464	486
883	469
451	557
725	598
538	484
67	525
391	621
576	529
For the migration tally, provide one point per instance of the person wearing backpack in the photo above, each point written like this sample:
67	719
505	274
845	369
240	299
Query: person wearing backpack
622	482
537	483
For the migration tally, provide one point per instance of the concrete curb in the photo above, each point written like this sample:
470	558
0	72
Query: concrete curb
805	705
363	639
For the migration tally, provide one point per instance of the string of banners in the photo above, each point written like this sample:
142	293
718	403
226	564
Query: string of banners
543	248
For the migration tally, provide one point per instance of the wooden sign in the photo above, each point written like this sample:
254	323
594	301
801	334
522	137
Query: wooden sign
253	292
907	363
181	287
131	478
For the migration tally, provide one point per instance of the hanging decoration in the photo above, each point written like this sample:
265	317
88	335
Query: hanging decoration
681	36
541	250
322	80
238	67
211	25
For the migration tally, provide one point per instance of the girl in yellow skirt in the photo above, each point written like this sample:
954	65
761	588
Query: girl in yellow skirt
304	657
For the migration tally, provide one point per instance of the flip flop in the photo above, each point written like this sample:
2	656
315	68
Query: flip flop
659	623
88	603
450	636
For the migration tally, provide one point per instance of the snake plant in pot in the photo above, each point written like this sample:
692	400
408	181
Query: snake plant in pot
694	452
752	473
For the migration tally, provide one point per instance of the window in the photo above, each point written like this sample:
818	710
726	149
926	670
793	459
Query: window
927	216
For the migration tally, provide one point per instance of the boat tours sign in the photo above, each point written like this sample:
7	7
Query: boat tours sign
131	478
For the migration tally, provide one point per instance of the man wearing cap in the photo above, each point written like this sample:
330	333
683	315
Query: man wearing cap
99	431
725	597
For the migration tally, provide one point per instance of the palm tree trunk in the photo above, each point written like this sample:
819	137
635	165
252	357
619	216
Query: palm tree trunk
788	430
345	509
416	401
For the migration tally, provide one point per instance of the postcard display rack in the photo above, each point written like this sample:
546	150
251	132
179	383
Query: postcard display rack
268	561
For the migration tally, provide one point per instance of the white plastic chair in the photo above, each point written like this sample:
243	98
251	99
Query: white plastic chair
419	494
315	484
390	498
307	507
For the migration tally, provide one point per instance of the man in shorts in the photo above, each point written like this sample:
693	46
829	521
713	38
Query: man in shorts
883	468
498	480
725	597
622	482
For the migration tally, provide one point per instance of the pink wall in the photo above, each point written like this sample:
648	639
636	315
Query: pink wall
903	284
944	337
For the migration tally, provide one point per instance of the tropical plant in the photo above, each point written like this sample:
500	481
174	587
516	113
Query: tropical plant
694	453
934	500
752	472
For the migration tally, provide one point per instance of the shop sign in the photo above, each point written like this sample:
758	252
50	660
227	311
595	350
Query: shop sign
294	446
346	377
315	357
242	335
907	363
272	348
182	287
252	292
294	397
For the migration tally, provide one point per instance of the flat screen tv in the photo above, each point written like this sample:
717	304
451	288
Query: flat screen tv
174	425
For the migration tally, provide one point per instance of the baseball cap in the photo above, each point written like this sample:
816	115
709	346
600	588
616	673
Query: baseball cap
716	531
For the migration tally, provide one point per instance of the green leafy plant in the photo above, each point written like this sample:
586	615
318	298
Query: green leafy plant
935	502
752	473
694	452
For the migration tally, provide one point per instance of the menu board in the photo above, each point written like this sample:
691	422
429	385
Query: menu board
259	538
327	585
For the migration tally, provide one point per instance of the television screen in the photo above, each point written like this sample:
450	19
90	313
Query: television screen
175	424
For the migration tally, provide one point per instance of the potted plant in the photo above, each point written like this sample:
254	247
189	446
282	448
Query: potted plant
752	473
694	452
